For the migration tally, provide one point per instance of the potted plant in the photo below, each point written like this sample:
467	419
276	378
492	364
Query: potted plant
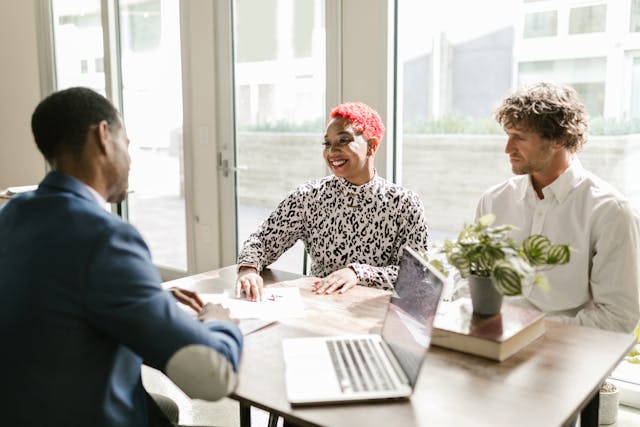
634	354
497	265
609	402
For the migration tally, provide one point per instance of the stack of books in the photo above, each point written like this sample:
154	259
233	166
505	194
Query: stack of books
495	337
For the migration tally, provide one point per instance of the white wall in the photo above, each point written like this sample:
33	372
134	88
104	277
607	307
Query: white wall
199	34
20	161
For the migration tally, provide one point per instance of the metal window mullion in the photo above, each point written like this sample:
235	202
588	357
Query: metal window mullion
46	49
113	72
112	52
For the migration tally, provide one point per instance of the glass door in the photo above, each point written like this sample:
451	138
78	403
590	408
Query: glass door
149	35
77	36
280	108
146	85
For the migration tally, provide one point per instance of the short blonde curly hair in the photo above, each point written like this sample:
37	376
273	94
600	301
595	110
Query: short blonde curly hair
553	111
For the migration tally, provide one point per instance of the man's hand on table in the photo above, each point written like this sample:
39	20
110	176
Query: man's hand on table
340	280
188	298
213	311
249	282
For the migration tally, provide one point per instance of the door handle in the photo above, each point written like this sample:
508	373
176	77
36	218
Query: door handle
226	169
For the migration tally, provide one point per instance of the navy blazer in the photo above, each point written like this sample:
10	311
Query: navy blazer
81	306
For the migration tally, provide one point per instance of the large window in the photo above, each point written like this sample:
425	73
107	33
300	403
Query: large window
148	82
152	107
588	19
586	75
635	89
78	24
454	71
280	107
634	22
541	24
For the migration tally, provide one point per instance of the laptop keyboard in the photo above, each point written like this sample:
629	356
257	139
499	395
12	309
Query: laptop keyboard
358	365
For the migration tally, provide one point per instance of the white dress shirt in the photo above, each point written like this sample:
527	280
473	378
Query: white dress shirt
599	286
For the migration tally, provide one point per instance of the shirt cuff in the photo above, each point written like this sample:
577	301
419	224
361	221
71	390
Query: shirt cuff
360	270
247	265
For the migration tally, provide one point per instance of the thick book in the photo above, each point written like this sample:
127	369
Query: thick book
495	337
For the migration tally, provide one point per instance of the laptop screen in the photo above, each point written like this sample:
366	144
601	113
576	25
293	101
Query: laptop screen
409	320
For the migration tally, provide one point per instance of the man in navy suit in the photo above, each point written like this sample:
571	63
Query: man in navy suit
82	304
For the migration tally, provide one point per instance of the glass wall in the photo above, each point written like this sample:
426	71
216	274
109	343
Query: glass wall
585	75
455	68
149	49
634	21
635	88
541	24
78	23
152	108
588	19
279	107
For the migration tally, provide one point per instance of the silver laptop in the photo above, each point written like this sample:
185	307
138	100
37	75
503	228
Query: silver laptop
352	368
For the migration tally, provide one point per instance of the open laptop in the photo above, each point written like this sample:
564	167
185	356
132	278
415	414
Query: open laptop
365	367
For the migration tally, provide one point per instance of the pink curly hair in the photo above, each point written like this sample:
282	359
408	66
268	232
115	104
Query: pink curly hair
364	119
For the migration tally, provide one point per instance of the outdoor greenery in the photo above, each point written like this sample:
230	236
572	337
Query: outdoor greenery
486	251
450	124
453	124
283	126
612	126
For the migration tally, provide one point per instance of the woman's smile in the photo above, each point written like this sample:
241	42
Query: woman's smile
337	163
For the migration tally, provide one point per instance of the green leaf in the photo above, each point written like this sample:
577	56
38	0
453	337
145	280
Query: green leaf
486	220
542	282
460	262
535	248
558	255
506	280
488	251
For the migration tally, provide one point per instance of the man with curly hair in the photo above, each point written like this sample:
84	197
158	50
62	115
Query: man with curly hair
354	224
553	195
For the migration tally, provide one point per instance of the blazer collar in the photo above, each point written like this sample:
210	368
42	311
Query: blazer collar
62	182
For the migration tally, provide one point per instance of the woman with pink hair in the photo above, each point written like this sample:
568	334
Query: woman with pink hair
354	224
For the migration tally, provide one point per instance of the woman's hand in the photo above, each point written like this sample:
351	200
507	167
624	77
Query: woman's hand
249	282
188	298
341	280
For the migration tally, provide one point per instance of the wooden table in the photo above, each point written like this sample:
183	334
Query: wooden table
547	383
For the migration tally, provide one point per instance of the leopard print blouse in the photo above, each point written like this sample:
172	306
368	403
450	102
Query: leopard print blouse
363	227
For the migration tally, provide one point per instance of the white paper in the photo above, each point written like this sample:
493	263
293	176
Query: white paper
248	326
21	189
276	304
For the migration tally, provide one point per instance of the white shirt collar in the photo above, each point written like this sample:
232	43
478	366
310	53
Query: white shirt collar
97	196
561	187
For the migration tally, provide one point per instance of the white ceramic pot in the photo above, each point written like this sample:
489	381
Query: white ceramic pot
609	400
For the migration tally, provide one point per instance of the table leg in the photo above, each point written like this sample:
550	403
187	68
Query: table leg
273	420
589	415
245	415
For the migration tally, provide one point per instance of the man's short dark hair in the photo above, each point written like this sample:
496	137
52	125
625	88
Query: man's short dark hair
61	121
553	111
